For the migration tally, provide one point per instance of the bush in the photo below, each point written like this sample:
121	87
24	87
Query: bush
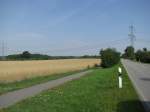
109	57
25	55
138	55
143	56
129	53
96	65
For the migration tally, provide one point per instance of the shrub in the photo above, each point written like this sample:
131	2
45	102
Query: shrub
143	55
138	55
25	55
96	65
109	57
129	53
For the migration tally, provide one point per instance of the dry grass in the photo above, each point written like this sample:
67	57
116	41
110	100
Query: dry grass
19	70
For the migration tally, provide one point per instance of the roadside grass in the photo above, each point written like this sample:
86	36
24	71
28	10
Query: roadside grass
7	87
96	92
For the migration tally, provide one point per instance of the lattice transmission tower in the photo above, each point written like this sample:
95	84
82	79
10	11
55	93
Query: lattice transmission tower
131	35
3	48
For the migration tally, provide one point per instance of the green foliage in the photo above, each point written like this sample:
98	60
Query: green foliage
143	55
109	57
14	57
145	49
39	57
89	56
138	55
25	55
97	92
129	53
11	86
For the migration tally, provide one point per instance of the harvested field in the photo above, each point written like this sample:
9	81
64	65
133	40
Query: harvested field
19	70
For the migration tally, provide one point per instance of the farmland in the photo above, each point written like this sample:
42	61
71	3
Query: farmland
11	71
96	92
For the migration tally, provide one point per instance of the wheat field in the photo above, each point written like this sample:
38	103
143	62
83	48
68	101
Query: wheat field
19	70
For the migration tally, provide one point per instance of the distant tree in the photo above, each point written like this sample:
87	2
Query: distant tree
109	57
14	57
138	55
145	49
143	55
39	57
129	53
26	55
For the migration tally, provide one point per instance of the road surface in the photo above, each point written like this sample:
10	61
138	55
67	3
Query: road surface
139	74
11	98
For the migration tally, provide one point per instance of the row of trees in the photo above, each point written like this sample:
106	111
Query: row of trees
111	57
140	55
26	55
108	56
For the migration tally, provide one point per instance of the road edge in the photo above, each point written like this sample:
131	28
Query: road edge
145	104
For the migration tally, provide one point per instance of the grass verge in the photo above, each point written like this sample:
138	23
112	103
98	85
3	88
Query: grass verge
96	92
7	87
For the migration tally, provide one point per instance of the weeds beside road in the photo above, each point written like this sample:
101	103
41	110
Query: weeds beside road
7	87
97	92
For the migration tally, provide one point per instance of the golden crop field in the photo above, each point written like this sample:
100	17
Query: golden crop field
18	70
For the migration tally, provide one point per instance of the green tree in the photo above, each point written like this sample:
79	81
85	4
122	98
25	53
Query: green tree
129	53
109	57
26	55
143	55
145	49
138	55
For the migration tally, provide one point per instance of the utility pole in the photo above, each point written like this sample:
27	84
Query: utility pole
131	35
3	50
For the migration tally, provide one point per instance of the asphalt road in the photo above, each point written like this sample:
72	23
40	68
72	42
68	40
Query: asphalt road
11	98
139	74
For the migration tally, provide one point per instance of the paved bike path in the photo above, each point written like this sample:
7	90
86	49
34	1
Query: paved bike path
13	97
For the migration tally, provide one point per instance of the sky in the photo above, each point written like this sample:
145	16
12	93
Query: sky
72	27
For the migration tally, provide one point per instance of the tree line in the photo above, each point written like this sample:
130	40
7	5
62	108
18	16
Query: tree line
111	57
141	55
26	55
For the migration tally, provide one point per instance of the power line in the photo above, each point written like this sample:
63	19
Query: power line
143	40
83	47
89	47
3	50
131	35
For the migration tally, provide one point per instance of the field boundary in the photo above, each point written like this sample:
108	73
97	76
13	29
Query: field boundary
11	98
20	70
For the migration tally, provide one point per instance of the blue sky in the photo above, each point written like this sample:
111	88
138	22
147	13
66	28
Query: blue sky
72	27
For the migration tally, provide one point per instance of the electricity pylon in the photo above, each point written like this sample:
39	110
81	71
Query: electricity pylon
131	35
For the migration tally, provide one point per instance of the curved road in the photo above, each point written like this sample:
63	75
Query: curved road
139	74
